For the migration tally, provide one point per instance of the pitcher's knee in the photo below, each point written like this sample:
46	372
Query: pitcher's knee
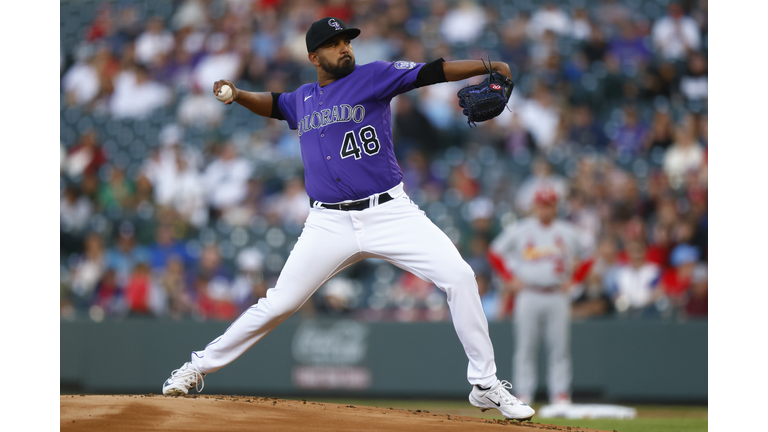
461	276
278	311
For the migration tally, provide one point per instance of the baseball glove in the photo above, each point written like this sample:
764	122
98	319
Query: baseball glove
486	100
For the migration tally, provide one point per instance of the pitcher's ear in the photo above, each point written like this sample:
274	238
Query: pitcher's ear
313	58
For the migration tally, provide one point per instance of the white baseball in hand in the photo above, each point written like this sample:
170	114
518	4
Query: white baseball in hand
225	93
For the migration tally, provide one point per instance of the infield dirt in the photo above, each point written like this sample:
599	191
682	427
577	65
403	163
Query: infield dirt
213	413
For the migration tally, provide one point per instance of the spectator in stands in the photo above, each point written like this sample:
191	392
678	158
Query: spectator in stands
660	80
629	47
75	210
519	139
676	281
127	28
117	192
605	269
514	49
138	291
188	193
700	219
461	182
199	108
89	186
249	284
549	18
493	300
596	46
697	301
540	115
226	179
703	132
585	217
614	81
88	271
190	14
370	45
542	48
675	35
410	295
213	286
155	41
584	130
136	95
337	296
694	84
109	295
636	288
173	282
464	23
87	156
631	135
412	128
581	26
291	205
660	245
125	254
612	13
166	246
220	60
684	155
81	81
661	133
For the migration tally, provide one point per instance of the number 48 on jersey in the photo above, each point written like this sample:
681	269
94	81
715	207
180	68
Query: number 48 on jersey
368	139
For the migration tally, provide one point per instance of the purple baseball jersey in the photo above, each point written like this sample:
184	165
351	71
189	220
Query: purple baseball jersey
345	130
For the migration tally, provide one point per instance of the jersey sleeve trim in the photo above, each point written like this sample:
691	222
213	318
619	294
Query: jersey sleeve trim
276	113
431	73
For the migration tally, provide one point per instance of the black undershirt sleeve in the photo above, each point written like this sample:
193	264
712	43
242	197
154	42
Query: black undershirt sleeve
276	114
431	73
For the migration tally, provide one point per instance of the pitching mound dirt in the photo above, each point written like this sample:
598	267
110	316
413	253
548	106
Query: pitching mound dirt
243	413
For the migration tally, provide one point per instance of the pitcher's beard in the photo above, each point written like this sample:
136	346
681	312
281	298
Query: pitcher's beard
341	69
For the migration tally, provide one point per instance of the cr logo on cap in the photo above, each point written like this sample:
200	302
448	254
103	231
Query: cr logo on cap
332	22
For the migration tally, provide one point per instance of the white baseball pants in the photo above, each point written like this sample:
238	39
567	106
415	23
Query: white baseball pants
539	314
396	231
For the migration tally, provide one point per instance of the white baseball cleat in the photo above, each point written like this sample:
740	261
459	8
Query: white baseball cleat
182	380
497	397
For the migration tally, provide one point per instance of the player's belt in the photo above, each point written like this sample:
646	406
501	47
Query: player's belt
545	289
352	205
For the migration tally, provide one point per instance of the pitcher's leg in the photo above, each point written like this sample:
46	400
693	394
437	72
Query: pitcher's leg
527	331
558	345
320	253
405	237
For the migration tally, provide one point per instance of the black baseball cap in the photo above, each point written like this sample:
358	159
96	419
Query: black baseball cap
326	28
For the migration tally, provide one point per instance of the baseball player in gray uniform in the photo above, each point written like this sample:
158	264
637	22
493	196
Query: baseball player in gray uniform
359	208
539	259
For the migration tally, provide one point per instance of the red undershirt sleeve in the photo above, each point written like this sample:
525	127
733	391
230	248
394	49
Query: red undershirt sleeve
582	270
497	264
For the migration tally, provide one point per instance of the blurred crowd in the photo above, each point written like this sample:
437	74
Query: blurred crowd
173	205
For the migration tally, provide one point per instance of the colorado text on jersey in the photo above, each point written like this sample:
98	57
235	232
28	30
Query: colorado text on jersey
337	114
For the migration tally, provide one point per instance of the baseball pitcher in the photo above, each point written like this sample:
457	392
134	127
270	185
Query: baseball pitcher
359	208
539	259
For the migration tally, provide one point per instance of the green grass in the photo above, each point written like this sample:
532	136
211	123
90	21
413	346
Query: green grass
650	418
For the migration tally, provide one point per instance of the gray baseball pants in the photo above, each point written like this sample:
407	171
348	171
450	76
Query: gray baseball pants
540	314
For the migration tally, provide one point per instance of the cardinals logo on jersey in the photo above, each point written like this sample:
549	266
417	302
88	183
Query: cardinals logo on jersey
531	252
